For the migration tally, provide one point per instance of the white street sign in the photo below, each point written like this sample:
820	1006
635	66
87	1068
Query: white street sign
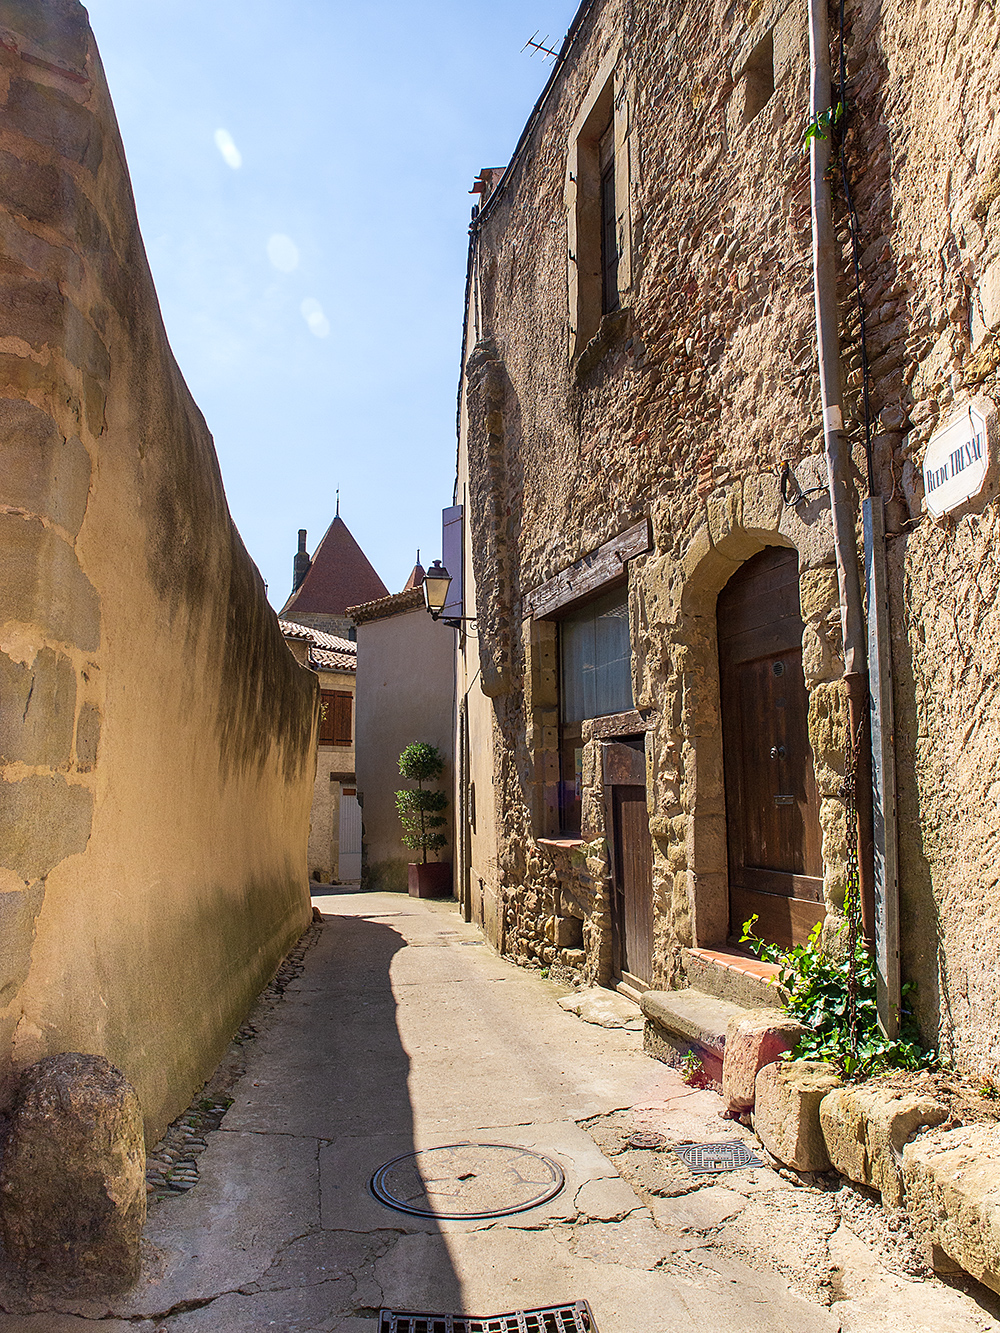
956	462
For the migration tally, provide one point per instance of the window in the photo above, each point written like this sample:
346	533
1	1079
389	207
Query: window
595	679
597	193
336	707
609	223
758	78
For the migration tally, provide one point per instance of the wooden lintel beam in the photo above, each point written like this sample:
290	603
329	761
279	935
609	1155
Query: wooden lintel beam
589	574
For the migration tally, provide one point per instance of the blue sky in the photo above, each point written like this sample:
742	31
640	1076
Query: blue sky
310	258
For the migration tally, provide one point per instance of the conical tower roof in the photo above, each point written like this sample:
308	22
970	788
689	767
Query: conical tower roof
416	579
340	576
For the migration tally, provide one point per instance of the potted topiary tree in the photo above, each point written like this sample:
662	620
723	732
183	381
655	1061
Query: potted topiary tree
421	817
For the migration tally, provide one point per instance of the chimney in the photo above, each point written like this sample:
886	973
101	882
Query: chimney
301	564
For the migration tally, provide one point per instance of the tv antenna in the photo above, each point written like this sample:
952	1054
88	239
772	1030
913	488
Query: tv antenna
539	46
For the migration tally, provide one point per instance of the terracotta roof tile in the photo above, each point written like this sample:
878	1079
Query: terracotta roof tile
387	606
323	658
340	576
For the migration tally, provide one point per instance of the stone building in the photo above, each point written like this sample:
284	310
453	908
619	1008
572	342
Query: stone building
335	817
652	719
406	681
156	737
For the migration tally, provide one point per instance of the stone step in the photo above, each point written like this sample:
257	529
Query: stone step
681	1021
735	977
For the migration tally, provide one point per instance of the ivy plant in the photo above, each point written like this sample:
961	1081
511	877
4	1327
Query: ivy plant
819	983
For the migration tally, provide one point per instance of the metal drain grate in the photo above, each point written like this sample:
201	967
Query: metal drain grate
575	1318
704	1158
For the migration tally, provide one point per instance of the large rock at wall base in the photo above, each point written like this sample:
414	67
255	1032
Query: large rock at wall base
865	1129
752	1041
786	1111
72	1181
952	1182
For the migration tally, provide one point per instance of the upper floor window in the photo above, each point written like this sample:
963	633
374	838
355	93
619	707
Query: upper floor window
597	194
609	223
336	709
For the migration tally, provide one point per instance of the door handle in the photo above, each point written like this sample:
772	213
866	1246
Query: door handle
777	752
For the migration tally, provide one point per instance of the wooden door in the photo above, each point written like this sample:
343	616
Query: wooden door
631	860
772	805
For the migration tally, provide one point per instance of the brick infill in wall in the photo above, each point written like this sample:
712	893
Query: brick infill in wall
737	962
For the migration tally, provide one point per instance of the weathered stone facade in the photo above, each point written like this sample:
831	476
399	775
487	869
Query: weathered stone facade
685	405
156	736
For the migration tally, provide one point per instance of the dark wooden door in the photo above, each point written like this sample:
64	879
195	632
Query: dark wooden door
772	805
632	860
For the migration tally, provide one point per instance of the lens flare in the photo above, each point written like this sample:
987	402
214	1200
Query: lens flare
231	154
312	313
283	253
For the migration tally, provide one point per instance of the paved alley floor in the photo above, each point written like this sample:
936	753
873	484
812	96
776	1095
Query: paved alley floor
406	1032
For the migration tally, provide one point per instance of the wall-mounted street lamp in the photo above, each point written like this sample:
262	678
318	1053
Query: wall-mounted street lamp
437	581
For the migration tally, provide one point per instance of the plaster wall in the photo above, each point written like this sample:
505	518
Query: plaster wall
156	737
685	406
405	693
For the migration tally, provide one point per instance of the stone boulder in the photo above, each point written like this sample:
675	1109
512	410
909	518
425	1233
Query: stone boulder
72	1181
866	1128
604	1007
786	1111
754	1040
952	1182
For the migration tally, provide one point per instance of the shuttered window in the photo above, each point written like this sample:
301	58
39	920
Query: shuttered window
336	717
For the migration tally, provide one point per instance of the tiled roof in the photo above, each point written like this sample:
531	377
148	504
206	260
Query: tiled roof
325	660
291	630
340	576
387	606
326	651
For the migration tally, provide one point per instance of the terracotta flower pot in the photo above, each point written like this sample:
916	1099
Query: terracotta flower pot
432	880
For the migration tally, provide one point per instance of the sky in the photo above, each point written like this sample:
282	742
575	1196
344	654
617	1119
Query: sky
302	172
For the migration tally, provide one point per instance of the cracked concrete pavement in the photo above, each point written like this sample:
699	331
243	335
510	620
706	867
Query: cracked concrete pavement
405	1031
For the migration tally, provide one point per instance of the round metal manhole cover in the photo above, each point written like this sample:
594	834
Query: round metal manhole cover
470	1180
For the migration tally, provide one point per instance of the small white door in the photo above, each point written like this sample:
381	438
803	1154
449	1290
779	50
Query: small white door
350	836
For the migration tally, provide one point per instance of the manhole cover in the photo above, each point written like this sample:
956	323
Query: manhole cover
646	1138
467	1180
703	1158
575	1318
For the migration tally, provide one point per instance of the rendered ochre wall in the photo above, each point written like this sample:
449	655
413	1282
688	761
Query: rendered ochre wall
156	736
685	406
405	691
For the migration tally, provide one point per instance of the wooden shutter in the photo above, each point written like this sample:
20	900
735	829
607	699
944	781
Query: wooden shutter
342	718
335	725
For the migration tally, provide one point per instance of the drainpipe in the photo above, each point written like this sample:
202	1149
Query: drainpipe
838	458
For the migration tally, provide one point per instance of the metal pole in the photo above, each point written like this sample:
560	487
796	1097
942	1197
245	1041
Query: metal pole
886	886
838	457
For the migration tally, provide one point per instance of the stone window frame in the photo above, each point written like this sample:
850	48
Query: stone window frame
605	101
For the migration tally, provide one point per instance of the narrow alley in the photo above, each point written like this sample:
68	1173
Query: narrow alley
403	1032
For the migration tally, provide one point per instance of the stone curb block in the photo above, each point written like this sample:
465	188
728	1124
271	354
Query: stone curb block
952	1180
865	1129
786	1111
753	1041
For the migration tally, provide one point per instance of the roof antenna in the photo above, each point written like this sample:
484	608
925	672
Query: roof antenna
546	51
337	515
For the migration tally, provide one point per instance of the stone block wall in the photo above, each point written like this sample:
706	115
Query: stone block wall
156	736
690	402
